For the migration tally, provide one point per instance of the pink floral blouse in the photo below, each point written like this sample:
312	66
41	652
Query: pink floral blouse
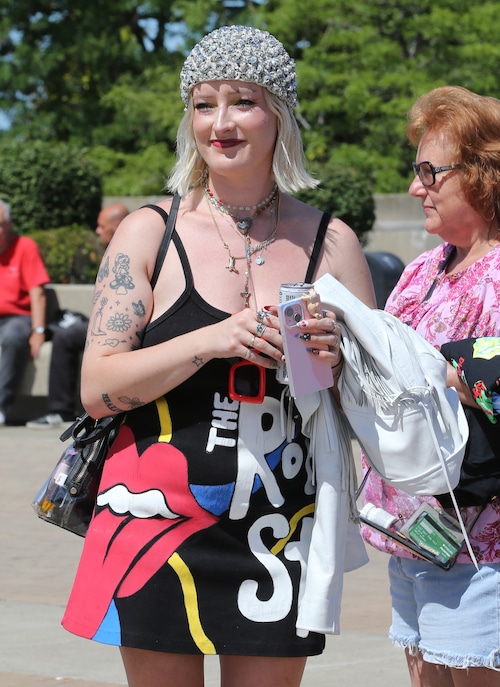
463	305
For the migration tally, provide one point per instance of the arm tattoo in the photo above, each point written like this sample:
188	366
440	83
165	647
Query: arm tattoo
122	282
198	361
119	322
139	309
131	402
103	270
126	400
111	406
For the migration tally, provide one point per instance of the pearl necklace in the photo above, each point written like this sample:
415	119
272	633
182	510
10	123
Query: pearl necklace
249	251
243	223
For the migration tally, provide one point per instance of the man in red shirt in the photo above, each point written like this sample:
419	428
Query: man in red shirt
22	307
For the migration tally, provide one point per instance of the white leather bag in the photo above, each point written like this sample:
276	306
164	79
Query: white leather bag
410	425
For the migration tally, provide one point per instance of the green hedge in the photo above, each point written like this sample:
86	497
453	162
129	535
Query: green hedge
71	254
49	185
346	193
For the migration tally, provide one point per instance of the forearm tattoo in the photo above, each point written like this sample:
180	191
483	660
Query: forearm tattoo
117	319
131	403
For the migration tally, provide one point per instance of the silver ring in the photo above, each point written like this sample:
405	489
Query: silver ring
251	343
261	314
248	354
260	329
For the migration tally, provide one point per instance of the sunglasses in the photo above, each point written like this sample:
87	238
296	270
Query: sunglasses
247	382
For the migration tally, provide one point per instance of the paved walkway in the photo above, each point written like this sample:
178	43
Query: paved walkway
38	562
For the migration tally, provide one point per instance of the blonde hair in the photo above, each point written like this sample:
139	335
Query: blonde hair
470	124
288	160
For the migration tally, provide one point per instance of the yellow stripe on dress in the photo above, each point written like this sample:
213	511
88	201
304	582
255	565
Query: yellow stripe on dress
281	543
165	420
191	604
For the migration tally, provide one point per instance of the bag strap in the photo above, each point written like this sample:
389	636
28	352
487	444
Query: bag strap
169	229
444	264
323	226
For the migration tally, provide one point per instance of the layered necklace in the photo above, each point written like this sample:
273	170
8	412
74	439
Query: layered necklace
249	249
243	224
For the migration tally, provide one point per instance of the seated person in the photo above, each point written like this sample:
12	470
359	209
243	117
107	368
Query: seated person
68	344
22	307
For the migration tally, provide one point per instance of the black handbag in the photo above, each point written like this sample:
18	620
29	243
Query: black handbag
67	498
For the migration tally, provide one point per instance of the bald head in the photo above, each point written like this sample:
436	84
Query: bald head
108	220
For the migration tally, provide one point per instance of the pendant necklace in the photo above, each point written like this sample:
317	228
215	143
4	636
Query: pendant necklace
249	251
243	224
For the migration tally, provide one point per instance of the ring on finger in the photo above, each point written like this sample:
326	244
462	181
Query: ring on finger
251	343
261	314
248	354
260	329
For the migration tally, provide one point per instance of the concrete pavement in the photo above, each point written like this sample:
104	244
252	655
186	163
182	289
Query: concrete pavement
38	563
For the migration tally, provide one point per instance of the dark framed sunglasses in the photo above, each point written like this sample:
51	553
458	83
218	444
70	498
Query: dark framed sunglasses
247	382
426	171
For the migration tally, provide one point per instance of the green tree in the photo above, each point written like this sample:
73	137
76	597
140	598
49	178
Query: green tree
345	193
105	74
61	58
362	64
49	185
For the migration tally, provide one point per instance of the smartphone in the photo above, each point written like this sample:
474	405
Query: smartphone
304	372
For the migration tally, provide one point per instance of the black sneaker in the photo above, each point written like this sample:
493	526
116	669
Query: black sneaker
49	421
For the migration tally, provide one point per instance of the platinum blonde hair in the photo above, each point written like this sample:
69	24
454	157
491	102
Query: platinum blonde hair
288	167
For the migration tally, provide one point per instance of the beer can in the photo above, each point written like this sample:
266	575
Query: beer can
288	292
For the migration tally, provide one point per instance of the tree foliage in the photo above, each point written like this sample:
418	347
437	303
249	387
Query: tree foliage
104	74
49	185
71	254
344	193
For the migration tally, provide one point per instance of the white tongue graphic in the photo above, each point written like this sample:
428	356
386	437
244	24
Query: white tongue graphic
147	504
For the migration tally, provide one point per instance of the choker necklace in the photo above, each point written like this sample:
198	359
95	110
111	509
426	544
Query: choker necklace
249	251
243	223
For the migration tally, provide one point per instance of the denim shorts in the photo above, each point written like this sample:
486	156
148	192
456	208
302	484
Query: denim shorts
451	616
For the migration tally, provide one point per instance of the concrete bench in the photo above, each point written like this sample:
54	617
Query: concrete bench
32	396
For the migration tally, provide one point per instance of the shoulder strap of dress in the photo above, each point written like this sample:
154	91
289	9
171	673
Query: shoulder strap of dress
169	228
323	226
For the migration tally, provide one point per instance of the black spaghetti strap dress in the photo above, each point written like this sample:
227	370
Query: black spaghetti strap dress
199	540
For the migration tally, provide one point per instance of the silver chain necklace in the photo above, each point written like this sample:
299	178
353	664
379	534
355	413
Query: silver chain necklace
243	224
249	251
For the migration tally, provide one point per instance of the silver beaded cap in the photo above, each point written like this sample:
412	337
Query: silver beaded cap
241	53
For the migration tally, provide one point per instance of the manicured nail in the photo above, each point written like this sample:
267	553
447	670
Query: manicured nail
302	323
314	351
305	337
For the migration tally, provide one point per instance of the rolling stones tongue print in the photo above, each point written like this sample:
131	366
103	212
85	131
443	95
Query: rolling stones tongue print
207	527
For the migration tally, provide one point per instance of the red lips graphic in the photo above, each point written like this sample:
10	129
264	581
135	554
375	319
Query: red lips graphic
137	527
